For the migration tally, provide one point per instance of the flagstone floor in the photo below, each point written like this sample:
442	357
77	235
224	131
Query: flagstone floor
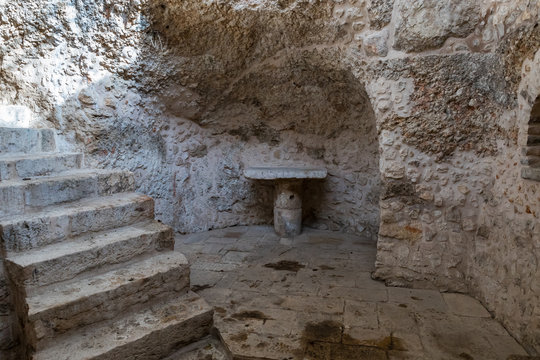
313	298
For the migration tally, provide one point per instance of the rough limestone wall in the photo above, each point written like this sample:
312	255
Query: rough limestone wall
455	213
505	257
188	93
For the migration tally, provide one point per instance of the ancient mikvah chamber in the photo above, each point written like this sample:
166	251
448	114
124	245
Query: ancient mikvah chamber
148	149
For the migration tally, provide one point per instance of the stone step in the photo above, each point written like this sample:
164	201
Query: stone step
533	161
24	140
91	298
533	140
13	166
532	150
534	129
65	260
530	173
209	348
18	195
149	334
59	222
15	116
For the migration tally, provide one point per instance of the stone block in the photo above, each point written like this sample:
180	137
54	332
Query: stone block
15	116
151	334
65	260
28	166
20	140
530	173
57	308
64	221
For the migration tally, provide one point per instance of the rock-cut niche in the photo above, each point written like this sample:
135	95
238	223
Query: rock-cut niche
294	106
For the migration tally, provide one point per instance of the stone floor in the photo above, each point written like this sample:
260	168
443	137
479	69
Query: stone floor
313	298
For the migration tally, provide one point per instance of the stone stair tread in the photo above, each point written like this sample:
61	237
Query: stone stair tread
208	348
149	334
39	227
530	173
26	140
84	243
13	157
534	129
54	295
61	176
81	205
20	165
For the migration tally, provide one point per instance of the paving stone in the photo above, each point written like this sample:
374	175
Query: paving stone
210	266
464	305
363	280
204	249
235	257
261	320
257	346
221	240
360	314
397	317
216	296
418	299
209	348
204	279
353	293
505	346
365	337
315	305
192	238
450	336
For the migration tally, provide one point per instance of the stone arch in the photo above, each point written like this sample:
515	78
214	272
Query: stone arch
307	109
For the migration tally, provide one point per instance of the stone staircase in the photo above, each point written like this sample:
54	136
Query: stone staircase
92	274
531	160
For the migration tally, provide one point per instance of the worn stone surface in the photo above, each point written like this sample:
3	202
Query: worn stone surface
310	300
122	287
423	103
277	173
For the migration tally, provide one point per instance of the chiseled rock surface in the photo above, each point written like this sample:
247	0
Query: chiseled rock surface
427	24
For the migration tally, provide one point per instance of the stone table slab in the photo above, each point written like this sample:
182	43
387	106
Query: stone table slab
278	173
287	201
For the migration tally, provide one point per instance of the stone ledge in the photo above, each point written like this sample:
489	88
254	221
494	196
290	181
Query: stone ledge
276	173
530	173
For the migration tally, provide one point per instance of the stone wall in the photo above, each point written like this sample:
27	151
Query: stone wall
431	95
